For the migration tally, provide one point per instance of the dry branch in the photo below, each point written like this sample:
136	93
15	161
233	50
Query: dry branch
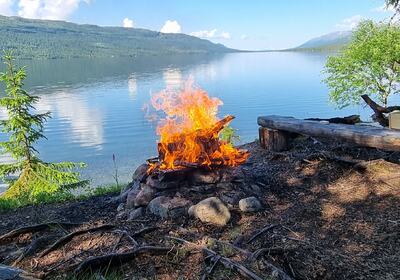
210	269
353	119
65	239
379	111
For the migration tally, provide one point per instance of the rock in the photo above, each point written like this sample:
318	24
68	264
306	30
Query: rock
162	185
230	198
135	213
12	273
200	176
250	204
225	186
211	210
130	200
145	195
166	207
121	207
140	172
121	215
255	189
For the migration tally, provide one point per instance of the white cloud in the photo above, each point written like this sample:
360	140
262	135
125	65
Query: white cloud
225	35
244	37
48	9
128	23
204	33
171	26
349	23
211	34
5	7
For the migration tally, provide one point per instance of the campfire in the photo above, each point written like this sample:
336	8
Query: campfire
192	159
189	132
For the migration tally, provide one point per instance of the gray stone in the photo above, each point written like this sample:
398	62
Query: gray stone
250	204
135	213
211	210
201	176
231	198
162	185
130	200
166	207
12	273
145	195
255	189
121	207
140	172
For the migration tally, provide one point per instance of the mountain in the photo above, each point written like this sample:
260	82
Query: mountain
29	38
328	42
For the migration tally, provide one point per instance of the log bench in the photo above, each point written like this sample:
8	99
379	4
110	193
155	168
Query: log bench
275	133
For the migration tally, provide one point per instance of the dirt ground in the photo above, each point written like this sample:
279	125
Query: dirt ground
331	212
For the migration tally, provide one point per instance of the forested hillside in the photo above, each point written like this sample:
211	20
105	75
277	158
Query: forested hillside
58	39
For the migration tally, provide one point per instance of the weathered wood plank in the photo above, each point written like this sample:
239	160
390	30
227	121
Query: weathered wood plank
381	138
274	140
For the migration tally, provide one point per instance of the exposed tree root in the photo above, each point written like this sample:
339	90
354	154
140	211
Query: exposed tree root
95	263
227	262
36	245
35	228
65	239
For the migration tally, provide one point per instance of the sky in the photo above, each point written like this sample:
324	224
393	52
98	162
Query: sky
247	25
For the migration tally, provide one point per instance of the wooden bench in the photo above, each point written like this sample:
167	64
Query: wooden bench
275	133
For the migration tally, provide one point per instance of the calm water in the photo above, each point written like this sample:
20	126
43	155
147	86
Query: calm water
97	104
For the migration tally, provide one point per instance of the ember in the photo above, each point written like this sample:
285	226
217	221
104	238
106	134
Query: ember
189	133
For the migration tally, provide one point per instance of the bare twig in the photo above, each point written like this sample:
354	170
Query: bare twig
126	234
209	270
260	232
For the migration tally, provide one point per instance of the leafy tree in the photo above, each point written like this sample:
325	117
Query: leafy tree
369	65
36	178
396	6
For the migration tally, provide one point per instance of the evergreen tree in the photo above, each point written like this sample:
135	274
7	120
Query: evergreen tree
24	127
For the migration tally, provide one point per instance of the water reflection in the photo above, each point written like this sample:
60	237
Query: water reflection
85	123
173	78
132	85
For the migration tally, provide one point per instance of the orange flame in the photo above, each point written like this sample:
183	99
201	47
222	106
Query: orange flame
189	134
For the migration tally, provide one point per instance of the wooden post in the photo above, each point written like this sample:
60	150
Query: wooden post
273	140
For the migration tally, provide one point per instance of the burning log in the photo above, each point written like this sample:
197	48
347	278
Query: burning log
189	135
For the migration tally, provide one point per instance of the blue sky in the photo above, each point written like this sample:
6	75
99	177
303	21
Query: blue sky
255	24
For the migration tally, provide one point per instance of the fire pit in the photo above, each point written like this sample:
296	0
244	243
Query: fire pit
191	155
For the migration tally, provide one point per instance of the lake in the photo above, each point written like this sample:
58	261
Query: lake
97	104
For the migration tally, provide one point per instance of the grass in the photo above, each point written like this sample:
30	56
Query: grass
8	204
